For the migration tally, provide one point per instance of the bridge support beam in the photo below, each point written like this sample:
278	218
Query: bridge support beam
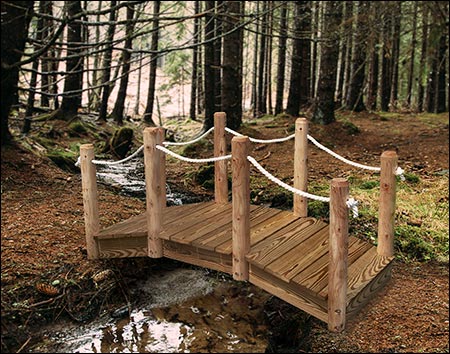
90	199
301	166
220	167
338	251
386	215
155	186
240	147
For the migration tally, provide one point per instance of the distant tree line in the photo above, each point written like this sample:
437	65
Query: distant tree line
263	57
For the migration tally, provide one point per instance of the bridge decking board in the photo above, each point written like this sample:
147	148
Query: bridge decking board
288	255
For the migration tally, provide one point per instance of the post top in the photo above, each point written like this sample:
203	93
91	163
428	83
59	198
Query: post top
389	153
240	139
87	146
339	182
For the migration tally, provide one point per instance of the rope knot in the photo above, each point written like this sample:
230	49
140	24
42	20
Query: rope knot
399	172
352	204
78	161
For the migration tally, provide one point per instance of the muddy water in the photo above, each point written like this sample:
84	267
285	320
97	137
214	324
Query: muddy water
179	311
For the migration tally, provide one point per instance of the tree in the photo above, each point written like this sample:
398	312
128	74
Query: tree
117	113
153	64
281	60
73	83
209	80
323	111
106	84
232	63
357	72
15	21
386	54
293	101
194	77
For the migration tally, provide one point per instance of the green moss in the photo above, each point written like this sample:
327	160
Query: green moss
351	128
411	178
369	184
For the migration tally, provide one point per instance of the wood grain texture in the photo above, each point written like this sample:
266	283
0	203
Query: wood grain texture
300	207
220	167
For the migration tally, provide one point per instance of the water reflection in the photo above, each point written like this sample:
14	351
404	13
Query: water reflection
138	334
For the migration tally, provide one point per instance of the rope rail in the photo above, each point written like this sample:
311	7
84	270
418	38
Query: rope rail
351	203
399	171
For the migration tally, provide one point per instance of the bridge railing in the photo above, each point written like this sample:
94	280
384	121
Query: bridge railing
155	175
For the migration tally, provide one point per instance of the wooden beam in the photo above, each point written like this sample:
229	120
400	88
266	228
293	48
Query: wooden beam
301	166
387	204
240	147
337	270
155	186
220	167
90	199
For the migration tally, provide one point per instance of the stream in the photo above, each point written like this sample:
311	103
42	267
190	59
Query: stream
179	308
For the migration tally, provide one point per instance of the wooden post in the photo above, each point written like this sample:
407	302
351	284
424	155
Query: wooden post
338	250
90	199
240	147
155	186
301	166
387	204
220	167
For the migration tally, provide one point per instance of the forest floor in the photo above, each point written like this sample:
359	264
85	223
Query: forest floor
43	247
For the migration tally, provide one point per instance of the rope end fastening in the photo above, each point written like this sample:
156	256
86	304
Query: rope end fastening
352	204
78	161
399	172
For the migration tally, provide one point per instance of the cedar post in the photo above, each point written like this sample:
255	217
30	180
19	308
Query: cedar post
240	147
90	201
155	186
338	250
220	167
301	166
387	204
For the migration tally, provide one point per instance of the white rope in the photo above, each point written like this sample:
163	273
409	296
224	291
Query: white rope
100	162
351	203
167	143
278	140
187	159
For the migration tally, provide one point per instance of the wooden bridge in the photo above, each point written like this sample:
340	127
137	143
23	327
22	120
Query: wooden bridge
314	266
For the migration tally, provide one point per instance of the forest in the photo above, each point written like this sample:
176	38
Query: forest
239	57
367	76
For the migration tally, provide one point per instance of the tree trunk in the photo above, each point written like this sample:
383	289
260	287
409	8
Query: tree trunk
386	77
232	64
305	44
261	99
218	56
423	58
372	90
324	106
45	7
254	98
192	110
348	30
440	105
412	58
281	60
106	84
396	13
117	113
153	64
293	101
355	92
209	70
73	83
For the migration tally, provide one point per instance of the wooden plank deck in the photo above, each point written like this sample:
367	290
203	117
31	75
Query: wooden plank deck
288	255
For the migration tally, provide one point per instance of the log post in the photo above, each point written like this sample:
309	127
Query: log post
301	166
388	183
220	167
240	147
338	251
155	186
90	199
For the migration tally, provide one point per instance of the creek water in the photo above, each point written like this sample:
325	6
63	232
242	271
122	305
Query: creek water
180	309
